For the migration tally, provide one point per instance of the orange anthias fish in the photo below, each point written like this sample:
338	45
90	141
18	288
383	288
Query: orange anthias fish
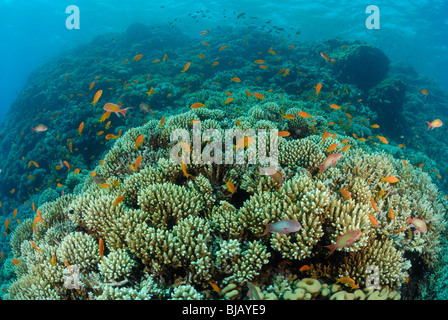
281	227
284	134
424	92
161	121
230	186
318	88
383	139
81	126
118	200
303	114
138	57
40	128
418	224
373	220
345	193
327	57
139	141
390	179
112	107
228	100
435	124
244	142
330	161
34	246
101	248
137	162
346	240
332	147
197	105
215	287
236	79
348	281
187	65
97	97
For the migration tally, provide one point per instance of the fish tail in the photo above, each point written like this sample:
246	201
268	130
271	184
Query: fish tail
34	129
123	112
321	168
266	231
429	125
332	248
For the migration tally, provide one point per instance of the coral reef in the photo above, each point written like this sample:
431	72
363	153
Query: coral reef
105	218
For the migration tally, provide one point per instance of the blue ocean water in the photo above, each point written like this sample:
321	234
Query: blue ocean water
33	32
46	68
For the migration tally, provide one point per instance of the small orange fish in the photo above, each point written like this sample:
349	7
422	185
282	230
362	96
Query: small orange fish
289	116
345	193
222	48
137	162
390	179
391	214
229	100
104	185
230	186
138	57
435	124
184	170
258	95
97	97
335	106
327	57
345	148
215	287
15	261
383	139
236	79
374	126
70	147
373	220
318	88
92	85
139	141
67	165
303	114
332	147
304	268
81	126
284	134
401	146
161	121
118	200
197	105
187	65
34	246
259	61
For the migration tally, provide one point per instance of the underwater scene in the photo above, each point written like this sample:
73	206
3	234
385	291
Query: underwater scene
224	150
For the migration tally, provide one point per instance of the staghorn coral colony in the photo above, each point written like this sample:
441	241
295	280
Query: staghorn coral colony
136	225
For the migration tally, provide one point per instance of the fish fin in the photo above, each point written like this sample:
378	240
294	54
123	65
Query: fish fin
266	231
332	248
429	125
321	168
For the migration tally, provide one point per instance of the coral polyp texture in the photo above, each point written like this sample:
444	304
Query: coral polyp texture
117	218
183	232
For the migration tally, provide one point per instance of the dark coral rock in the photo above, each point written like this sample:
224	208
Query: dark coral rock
387	99
361	65
138	31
